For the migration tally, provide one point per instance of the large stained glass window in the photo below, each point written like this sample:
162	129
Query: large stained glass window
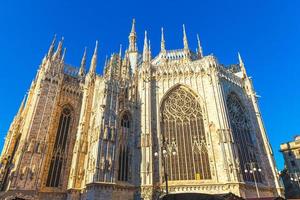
241	129
59	150
183	128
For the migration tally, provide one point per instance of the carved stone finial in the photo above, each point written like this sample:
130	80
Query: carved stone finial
199	50
185	41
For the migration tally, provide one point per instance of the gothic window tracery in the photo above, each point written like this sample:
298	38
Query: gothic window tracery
242	134
59	150
182	126
123	160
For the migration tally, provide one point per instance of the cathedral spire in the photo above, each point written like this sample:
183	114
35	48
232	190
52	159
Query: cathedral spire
83	64
242	66
185	41
146	49
94	60
51	48
199	51
132	38
132	50
57	54
162	43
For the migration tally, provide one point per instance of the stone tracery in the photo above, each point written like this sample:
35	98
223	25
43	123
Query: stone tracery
183	125
123	159
59	155
243	137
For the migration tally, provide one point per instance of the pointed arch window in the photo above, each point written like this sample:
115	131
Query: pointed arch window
243	136
124	150
182	126
59	150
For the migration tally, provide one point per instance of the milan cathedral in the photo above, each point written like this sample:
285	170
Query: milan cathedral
180	117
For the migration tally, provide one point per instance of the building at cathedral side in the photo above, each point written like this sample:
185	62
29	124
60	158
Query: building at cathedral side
79	135
290	175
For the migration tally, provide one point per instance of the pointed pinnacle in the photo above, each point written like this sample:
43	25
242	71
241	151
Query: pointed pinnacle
240	59
63	55
96	48
94	59
132	38
24	100
162	43
145	42
200	53
82	64
61	43
133	26
120	51
106	58
242	66
22	104
51	48
83	60
185	41
125	60
145	50
57	54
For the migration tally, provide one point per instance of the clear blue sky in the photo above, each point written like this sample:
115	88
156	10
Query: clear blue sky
267	33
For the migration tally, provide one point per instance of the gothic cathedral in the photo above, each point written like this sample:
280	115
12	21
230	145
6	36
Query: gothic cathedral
180	117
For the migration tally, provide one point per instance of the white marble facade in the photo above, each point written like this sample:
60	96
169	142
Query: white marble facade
87	136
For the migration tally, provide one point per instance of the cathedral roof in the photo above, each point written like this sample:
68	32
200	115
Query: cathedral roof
174	55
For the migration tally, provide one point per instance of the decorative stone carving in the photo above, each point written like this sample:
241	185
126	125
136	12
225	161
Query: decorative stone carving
40	147
23	172
80	173
31	146
102	164
199	146
106	132
146	193
184	129
186	89
91	165
107	165
230	165
32	172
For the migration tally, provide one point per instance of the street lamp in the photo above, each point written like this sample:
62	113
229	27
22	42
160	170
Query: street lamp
164	152
295	177
252	168
165	148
